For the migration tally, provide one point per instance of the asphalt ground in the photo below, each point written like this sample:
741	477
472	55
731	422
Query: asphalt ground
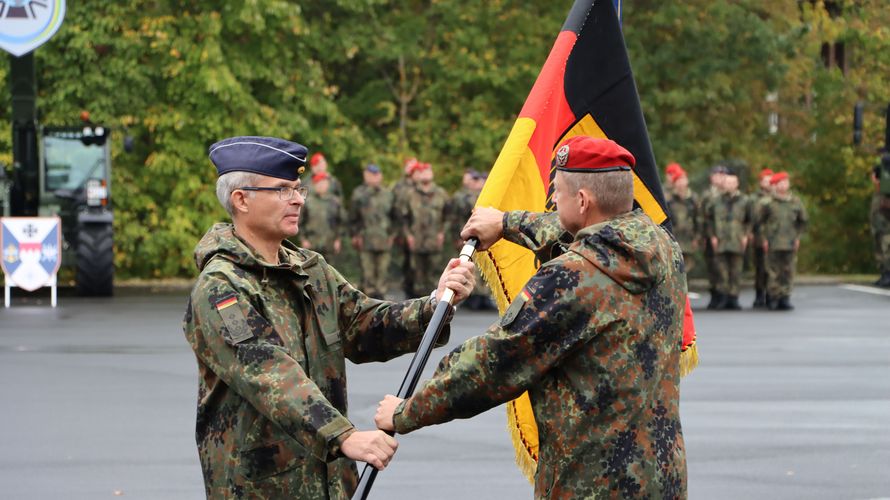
98	401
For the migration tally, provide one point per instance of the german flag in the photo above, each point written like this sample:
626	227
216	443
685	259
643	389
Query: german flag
586	87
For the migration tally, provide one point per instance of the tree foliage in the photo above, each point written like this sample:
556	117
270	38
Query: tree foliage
379	80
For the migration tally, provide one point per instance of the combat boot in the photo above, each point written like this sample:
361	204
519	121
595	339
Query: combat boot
884	281
784	304
718	301
759	299
732	303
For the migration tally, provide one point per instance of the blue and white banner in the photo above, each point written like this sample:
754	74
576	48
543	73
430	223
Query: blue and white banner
27	24
31	250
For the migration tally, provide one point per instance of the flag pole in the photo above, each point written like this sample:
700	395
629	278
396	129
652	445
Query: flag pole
415	369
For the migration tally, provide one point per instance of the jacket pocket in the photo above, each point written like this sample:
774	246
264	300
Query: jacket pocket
271	459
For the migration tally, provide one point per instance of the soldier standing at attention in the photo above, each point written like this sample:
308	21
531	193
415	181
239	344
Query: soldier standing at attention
271	325
728	222
758	200
371	217
319	165
324	219
423	218
880	227
400	201
594	337
684	209
717	177
783	220
460	209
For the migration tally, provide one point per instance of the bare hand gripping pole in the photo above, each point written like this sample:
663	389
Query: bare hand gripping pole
409	383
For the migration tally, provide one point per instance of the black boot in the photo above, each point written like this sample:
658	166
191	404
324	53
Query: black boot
784	304
884	281
759	299
716	300
732	303
772	303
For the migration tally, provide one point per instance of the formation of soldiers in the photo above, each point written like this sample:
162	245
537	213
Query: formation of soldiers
416	216
725	224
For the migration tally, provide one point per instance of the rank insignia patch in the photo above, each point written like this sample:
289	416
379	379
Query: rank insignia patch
234	319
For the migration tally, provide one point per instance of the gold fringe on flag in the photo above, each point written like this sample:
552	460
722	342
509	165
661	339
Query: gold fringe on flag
688	359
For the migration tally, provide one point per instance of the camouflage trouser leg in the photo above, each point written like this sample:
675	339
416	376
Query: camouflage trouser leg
407	273
375	268
780	265
729	267
713	267
426	271
688	262
882	249
760	275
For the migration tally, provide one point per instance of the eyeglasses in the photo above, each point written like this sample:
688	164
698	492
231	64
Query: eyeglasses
284	193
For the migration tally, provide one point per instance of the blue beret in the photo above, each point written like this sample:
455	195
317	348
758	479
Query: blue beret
374	169
260	155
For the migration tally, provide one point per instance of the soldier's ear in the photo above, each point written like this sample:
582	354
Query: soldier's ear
239	201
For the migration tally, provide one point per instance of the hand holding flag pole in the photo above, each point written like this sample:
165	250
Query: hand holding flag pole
415	369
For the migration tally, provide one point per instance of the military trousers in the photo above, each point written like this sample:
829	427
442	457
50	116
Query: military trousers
426	272
729	272
688	262
760	274
375	271
712	267
881	235
780	265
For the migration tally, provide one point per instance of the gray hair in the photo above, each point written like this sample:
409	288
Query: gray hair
613	191
229	182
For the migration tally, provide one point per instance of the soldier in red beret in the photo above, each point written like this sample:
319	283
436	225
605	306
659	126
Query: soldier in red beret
783	220
594	337
683	206
318	164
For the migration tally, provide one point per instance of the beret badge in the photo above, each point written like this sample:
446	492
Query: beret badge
562	156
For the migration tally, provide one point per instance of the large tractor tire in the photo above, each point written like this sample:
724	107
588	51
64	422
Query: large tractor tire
95	260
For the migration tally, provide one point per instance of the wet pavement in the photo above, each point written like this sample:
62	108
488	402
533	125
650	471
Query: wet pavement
98	401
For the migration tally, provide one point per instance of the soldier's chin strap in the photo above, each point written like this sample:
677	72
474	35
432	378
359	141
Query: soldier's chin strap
412	377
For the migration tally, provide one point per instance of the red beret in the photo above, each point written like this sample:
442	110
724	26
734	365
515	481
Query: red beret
317	157
765	173
587	154
320	177
672	167
676	173
778	177
418	167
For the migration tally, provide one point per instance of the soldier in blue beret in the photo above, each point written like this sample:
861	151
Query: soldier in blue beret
271	325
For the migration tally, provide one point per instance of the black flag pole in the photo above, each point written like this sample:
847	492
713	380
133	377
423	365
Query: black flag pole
409	383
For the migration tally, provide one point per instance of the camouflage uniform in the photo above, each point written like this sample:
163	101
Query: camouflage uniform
595	338
371	213
400	192
322	221
423	217
707	200
729	219
460	209
686	223
271	342
783	221
758	201
880	230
